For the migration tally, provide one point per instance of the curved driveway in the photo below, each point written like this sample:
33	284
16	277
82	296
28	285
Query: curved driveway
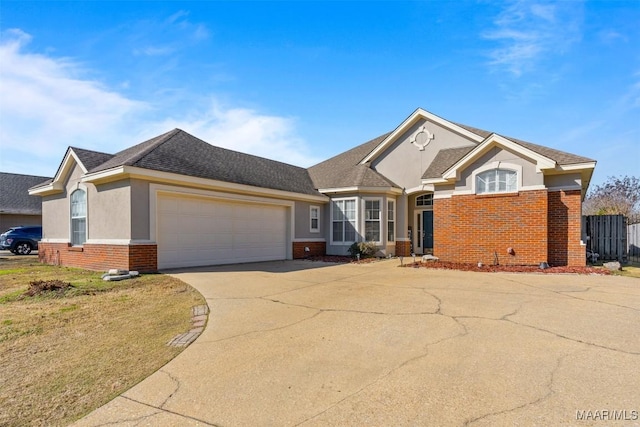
302	343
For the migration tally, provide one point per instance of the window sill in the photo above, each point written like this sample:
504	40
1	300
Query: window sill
75	248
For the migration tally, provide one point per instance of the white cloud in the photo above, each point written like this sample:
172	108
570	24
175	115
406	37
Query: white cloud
48	103
245	130
526	33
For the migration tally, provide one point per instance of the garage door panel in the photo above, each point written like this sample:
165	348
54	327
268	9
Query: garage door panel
195	231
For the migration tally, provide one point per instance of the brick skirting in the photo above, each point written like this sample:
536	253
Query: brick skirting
538	225
315	249
403	248
481	228
101	257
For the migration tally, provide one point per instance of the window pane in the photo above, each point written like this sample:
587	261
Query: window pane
512	182
337	231
78	204
338	207
350	209
78	231
350	232
314	223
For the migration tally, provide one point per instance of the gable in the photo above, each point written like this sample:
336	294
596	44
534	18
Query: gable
499	157
405	160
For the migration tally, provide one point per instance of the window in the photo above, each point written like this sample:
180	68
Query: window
424	200
314	219
78	217
497	181
343	220
372	221
391	220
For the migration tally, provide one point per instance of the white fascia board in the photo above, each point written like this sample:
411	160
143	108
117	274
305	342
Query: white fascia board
410	121
356	189
46	190
576	167
178	179
434	181
542	162
70	158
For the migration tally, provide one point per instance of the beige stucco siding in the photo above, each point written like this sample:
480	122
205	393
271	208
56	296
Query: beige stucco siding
139	209
404	164
302	229
109	211
565	181
530	177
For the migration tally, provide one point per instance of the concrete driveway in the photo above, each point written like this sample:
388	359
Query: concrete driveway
312	344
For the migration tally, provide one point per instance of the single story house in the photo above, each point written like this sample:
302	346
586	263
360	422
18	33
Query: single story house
17	207
430	186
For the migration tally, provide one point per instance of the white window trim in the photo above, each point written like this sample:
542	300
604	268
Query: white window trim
364	218
311	218
395	215
424	206
86	217
497	165
342	243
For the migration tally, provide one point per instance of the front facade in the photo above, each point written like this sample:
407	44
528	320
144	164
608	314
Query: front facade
428	187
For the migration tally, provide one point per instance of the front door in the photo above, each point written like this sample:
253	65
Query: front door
427	231
423	241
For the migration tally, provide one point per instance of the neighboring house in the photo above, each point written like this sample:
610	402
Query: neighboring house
17	207
429	186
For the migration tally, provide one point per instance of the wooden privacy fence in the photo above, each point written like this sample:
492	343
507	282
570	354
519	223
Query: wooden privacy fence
633	238
607	236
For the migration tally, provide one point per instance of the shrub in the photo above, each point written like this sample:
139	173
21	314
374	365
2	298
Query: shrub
364	249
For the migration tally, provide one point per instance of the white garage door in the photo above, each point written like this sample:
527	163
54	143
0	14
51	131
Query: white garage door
197	231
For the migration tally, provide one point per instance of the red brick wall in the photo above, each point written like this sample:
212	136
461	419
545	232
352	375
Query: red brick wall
315	249
100	257
471	228
403	248
564	233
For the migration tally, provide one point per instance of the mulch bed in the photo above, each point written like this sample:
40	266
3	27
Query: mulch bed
442	265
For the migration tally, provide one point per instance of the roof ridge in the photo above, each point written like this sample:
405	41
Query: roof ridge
161	140
91	151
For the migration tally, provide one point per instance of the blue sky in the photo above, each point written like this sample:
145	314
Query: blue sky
302	81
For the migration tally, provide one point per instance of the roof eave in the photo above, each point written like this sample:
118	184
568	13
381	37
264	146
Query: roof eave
46	190
123	172
360	189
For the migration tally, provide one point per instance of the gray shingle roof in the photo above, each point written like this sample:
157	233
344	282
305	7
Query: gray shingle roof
560	157
344	169
14	195
181	153
444	160
91	159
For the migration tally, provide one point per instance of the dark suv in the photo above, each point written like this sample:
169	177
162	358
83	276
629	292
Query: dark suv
21	240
